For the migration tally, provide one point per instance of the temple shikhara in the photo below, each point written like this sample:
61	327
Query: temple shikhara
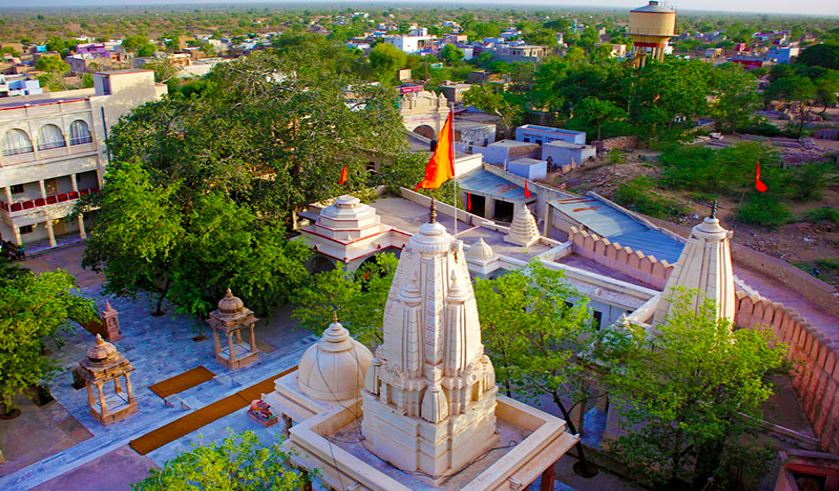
428	414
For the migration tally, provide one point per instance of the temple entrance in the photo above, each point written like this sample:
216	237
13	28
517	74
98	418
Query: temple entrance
426	131
503	211
478	205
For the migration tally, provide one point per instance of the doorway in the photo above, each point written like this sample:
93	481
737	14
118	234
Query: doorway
59	227
478	205
503	211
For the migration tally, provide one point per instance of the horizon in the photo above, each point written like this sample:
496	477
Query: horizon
822	8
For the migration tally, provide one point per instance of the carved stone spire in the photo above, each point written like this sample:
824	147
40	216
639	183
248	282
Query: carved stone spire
429	403
704	265
523	230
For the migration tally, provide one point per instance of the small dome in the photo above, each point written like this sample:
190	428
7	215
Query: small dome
334	368
480	250
102	351
230	304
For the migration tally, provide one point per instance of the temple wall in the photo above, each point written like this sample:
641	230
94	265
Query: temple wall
613	255
816	371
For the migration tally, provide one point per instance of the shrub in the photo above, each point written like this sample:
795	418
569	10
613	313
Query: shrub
763	209
823	215
637	194
809	180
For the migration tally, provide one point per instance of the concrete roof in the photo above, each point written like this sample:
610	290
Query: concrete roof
528	161
511	143
617	226
488	184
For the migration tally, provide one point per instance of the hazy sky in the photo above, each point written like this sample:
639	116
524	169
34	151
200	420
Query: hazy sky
812	7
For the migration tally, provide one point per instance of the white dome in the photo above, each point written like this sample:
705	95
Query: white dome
334	368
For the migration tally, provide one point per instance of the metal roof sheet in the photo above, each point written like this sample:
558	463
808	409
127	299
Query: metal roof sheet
486	183
617	226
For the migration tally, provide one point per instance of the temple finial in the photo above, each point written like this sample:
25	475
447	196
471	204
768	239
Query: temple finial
335	316
713	210
432	213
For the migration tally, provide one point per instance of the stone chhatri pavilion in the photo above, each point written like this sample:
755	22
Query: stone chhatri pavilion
102	364
428	416
231	318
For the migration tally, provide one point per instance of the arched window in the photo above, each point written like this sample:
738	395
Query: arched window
15	142
79	133
50	136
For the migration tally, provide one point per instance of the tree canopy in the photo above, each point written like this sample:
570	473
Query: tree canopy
690	399
34	309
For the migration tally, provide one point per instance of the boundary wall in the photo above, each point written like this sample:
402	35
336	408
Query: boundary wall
621	258
815	375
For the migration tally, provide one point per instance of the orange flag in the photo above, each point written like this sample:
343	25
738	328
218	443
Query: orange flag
758	183
526	191
441	166
343	175
468	201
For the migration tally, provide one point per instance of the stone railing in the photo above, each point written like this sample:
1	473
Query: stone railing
816	371
636	264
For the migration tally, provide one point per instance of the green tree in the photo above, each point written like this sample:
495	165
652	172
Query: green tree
826	89
133	43
385	59
822	55
736	95
163	70
55	44
146	50
595	112
34	309
52	64
239	463
358	299
451	54
692	397
498	103
798	90
534	335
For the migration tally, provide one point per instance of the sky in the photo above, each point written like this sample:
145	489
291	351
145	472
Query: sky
808	7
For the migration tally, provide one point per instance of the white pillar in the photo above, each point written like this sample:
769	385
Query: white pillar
82	233
74	182
9	194
51	234
18	238
43	189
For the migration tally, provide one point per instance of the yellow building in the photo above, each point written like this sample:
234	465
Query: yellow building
650	28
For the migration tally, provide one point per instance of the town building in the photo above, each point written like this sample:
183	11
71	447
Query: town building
412	44
523	53
19	85
545	134
786	54
52	151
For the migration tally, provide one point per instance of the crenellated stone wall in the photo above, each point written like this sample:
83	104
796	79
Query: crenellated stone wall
816	371
621	258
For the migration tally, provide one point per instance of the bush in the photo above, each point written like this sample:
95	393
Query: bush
637	194
763	209
809	180
768	130
823	215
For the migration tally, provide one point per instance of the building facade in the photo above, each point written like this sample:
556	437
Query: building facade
52	152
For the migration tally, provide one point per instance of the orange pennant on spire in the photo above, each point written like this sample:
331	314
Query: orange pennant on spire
441	166
343	175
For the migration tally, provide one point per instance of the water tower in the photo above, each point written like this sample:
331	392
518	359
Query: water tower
650	27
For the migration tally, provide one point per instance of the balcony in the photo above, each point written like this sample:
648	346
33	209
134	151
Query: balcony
49	200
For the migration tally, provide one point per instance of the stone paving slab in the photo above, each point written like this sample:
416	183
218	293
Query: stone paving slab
159	348
113	471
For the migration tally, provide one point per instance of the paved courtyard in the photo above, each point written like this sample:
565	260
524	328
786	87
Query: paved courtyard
159	348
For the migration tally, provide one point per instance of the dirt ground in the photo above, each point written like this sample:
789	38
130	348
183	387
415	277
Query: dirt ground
801	243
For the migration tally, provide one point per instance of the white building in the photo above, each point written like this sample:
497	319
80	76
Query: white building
52	151
411	44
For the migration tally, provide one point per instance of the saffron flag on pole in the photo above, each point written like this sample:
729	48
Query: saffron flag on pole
343	175
758	183
468	201
526	191
441	166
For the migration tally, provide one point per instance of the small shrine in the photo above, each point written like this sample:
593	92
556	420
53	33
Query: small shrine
350	231
523	230
103	364
110	322
481	259
231	318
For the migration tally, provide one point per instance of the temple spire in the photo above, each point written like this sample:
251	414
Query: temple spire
432	212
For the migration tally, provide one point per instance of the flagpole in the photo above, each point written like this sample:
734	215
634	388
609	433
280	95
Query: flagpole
454	179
